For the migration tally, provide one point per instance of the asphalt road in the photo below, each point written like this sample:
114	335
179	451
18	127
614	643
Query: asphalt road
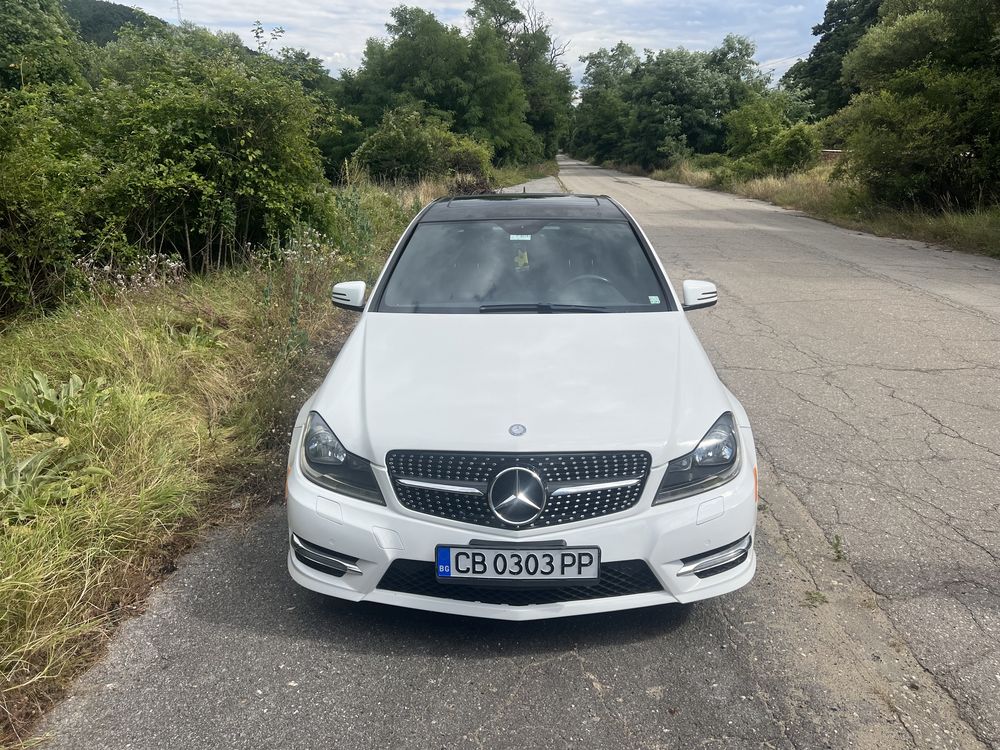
870	370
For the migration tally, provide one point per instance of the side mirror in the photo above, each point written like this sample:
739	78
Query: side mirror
699	294
349	295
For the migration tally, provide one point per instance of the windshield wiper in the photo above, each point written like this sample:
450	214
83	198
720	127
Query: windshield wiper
540	307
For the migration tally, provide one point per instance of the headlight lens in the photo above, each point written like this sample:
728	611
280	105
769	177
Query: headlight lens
326	462
714	461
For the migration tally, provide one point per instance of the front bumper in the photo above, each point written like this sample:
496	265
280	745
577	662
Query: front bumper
671	539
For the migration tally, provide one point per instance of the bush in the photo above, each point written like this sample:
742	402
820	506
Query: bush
407	146
186	144
929	141
795	148
753	127
708	161
925	128
42	201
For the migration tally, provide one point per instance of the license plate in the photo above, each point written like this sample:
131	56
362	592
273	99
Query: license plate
567	564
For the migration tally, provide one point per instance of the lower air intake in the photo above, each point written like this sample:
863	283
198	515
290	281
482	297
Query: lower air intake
616	579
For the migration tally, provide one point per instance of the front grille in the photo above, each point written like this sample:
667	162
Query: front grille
616	579
476	470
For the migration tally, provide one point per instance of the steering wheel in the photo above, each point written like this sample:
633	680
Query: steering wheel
588	277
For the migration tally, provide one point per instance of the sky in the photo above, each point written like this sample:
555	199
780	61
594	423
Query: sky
336	30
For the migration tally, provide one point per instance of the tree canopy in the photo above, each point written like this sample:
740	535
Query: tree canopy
819	75
653	110
499	83
926	127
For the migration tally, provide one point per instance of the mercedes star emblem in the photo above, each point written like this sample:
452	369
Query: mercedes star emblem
517	496
517	430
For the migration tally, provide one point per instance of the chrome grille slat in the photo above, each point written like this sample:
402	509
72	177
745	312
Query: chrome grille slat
419	479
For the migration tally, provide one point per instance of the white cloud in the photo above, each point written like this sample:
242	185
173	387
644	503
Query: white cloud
336	31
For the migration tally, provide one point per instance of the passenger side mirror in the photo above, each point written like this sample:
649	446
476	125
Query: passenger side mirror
349	295
699	294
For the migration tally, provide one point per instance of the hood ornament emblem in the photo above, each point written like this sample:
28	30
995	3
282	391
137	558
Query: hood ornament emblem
517	430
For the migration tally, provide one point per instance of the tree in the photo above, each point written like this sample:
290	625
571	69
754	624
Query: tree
491	83
670	104
37	43
819	75
503	16
497	103
602	115
548	84
925	127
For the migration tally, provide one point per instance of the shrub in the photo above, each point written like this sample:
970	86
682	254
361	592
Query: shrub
929	141
186	144
792	149
708	161
753	126
407	146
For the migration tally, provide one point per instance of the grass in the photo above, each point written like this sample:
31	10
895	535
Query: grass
814	599
129	422
818	193
838	548
515	175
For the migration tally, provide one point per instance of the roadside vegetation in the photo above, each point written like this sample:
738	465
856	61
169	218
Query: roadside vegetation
173	210
821	192
904	90
133	418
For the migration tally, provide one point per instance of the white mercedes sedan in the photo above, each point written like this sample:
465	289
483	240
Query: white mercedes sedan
522	425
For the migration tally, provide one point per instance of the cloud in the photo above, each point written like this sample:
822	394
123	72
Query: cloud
336	32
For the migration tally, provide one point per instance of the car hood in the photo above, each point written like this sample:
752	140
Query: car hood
577	382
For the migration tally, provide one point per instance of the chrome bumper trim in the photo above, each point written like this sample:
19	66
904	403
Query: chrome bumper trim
307	551
717	559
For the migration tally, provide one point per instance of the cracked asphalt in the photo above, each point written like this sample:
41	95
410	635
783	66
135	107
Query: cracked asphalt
869	368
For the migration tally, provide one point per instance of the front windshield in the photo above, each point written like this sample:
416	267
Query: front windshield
523	266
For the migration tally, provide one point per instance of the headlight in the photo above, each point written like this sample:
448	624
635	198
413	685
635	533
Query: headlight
714	461
326	462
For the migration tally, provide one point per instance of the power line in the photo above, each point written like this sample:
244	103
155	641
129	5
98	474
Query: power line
784	59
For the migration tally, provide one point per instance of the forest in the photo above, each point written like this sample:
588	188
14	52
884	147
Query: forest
905	89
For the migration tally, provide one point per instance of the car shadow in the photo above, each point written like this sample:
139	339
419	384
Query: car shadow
433	633
239	582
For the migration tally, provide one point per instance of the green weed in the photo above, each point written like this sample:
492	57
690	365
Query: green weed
838	548
815	599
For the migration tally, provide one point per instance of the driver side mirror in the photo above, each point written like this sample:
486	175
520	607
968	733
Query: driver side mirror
699	294
349	295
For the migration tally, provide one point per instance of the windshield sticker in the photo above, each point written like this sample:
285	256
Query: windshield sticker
653	300
522	237
521	260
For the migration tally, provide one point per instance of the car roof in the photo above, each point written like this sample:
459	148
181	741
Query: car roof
524	206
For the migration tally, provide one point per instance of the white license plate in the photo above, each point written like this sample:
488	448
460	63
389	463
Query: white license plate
573	564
